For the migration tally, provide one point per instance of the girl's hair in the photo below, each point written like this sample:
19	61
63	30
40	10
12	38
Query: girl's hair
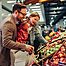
33	14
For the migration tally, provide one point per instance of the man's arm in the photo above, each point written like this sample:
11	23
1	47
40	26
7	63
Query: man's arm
9	41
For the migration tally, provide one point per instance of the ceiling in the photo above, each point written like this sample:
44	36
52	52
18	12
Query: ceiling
5	8
50	12
54	11
8	4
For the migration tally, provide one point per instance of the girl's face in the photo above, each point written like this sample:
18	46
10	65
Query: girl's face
33	20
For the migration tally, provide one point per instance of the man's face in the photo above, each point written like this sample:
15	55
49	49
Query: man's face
21	14
33	20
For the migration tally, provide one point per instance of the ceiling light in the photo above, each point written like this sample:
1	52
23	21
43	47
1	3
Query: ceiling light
58	12
52	18
57	7
62	0
11	1
35	7
37	3
30	4
2	14
56	24
64	16
61	7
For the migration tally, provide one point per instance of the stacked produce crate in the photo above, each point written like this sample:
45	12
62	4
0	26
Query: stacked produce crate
54	53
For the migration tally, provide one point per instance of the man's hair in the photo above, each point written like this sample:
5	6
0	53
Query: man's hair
18	7
33	14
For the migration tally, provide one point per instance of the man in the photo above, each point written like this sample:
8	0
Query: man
9	34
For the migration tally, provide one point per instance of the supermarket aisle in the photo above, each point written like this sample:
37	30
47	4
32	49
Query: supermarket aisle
20	58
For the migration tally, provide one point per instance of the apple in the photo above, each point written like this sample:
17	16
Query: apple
47	54
58	41
39	59
41	52
57	59
56	49
60	55
47	51
63	49
50	40
53	44
50	49
64	62
65	35
56	46
62	59
50	45
50	52
55	62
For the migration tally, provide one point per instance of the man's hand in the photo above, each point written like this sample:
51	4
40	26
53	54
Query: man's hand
29	48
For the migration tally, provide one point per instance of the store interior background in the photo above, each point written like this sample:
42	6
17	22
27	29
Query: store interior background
52	13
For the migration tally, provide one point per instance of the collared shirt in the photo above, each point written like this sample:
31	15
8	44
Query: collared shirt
17	22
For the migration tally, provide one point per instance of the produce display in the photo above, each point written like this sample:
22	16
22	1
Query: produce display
59	58
40	53
54	51
57	36
47	51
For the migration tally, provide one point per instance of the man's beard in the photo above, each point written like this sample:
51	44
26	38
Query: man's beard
18	19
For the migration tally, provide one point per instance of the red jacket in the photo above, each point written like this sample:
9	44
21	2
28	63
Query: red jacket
22	33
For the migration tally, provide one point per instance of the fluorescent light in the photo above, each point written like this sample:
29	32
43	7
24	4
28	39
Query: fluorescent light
64	16
58	12
2	14
52	18
57	7
35	7
37	3
30	4
11	1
